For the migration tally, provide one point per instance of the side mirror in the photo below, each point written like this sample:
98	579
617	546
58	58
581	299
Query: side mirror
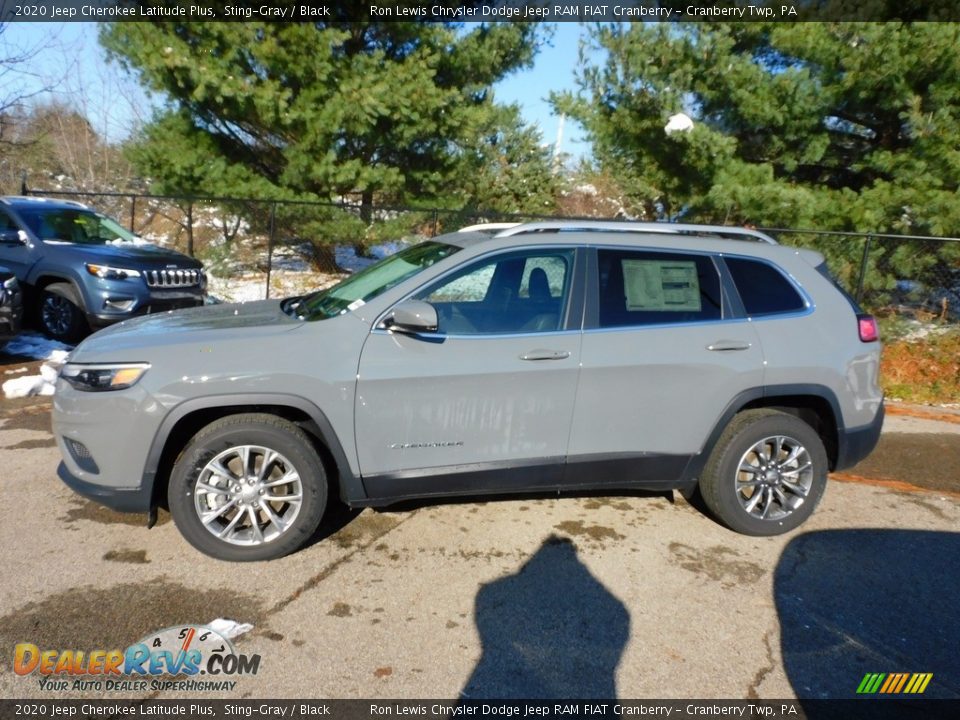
12	237
412	316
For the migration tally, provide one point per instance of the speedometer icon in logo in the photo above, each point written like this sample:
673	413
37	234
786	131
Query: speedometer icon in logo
180	650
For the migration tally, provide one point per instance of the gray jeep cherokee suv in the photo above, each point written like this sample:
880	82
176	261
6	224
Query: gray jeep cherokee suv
80	269
543	357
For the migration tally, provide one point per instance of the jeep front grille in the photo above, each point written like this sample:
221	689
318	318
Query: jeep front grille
172	278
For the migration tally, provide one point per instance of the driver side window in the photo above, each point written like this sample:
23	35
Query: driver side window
516	292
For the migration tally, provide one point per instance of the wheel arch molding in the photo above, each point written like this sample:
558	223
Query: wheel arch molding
804	400
183	421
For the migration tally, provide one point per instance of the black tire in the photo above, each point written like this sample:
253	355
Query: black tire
728	491
60	313
222	438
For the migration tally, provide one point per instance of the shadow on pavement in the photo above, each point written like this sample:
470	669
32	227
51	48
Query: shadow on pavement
853	602
551	630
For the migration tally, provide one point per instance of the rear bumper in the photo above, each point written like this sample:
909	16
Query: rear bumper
119	499
856	443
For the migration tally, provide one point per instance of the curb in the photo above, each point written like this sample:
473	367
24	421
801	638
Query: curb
922	414
896	485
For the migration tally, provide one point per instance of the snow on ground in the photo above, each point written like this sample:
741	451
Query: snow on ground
41	384
253	286
34	345
921	330
229	628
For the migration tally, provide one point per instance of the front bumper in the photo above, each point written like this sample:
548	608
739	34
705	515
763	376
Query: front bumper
103	451
856	443
157	301
120	499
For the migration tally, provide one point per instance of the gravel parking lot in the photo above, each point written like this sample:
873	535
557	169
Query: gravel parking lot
634	595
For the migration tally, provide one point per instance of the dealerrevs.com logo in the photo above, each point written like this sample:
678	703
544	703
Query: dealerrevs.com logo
153	663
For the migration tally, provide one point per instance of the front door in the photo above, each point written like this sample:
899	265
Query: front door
17	257
486	402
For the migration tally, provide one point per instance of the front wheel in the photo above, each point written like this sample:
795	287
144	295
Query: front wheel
248	487
766	474
60	315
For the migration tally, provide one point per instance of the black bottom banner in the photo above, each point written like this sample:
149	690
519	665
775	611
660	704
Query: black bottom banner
872	709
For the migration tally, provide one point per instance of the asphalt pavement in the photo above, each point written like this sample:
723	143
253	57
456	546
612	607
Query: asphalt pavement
633	595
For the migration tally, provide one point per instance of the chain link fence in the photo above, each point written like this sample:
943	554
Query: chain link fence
255	248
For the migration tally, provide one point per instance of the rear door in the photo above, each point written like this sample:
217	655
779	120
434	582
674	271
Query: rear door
662	357
486	402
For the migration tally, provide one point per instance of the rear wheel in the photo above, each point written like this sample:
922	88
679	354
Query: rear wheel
248	487
61	316
766	474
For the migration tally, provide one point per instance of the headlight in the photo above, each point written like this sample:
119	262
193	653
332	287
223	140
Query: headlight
97	378
111	273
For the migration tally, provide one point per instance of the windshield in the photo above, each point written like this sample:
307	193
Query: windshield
83	227
365	285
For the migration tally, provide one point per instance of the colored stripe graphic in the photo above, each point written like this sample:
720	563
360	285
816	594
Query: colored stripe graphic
893	683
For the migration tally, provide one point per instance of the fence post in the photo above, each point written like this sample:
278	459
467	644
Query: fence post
133	211
863	267
436	221
23	184
270	241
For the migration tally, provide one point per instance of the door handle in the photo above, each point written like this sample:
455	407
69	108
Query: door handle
728	345
541	354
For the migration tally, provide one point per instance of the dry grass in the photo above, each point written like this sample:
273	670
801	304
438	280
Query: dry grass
926	371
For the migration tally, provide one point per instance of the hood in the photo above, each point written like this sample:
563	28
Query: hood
133	339
128	254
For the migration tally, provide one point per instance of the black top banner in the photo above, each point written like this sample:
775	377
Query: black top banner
480	11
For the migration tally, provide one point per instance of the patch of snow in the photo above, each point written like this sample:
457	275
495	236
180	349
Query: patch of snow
922	331
253	286
42	384
15	372
680	122
237	289
25	386
135	240
347	258
34	345
296	259
229	628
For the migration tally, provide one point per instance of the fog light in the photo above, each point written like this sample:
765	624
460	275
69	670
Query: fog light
81	456
119	304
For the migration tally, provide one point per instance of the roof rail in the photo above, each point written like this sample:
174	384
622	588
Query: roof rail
489	227
735	233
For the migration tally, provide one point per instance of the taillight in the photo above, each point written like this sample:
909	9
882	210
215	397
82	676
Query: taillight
867	326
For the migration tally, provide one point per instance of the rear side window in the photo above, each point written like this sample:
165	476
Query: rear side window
640	287
763	289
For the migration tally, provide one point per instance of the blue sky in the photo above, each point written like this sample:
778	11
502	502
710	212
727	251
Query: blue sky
70	55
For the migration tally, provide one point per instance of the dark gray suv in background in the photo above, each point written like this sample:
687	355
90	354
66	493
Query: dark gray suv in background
11	306
81	270
543	357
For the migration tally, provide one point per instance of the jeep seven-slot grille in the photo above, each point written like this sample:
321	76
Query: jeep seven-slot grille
172	278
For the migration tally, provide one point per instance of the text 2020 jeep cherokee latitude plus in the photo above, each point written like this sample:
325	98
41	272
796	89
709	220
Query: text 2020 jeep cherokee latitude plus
545	357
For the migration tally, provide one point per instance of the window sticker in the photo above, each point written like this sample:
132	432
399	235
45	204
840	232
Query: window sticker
669	285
